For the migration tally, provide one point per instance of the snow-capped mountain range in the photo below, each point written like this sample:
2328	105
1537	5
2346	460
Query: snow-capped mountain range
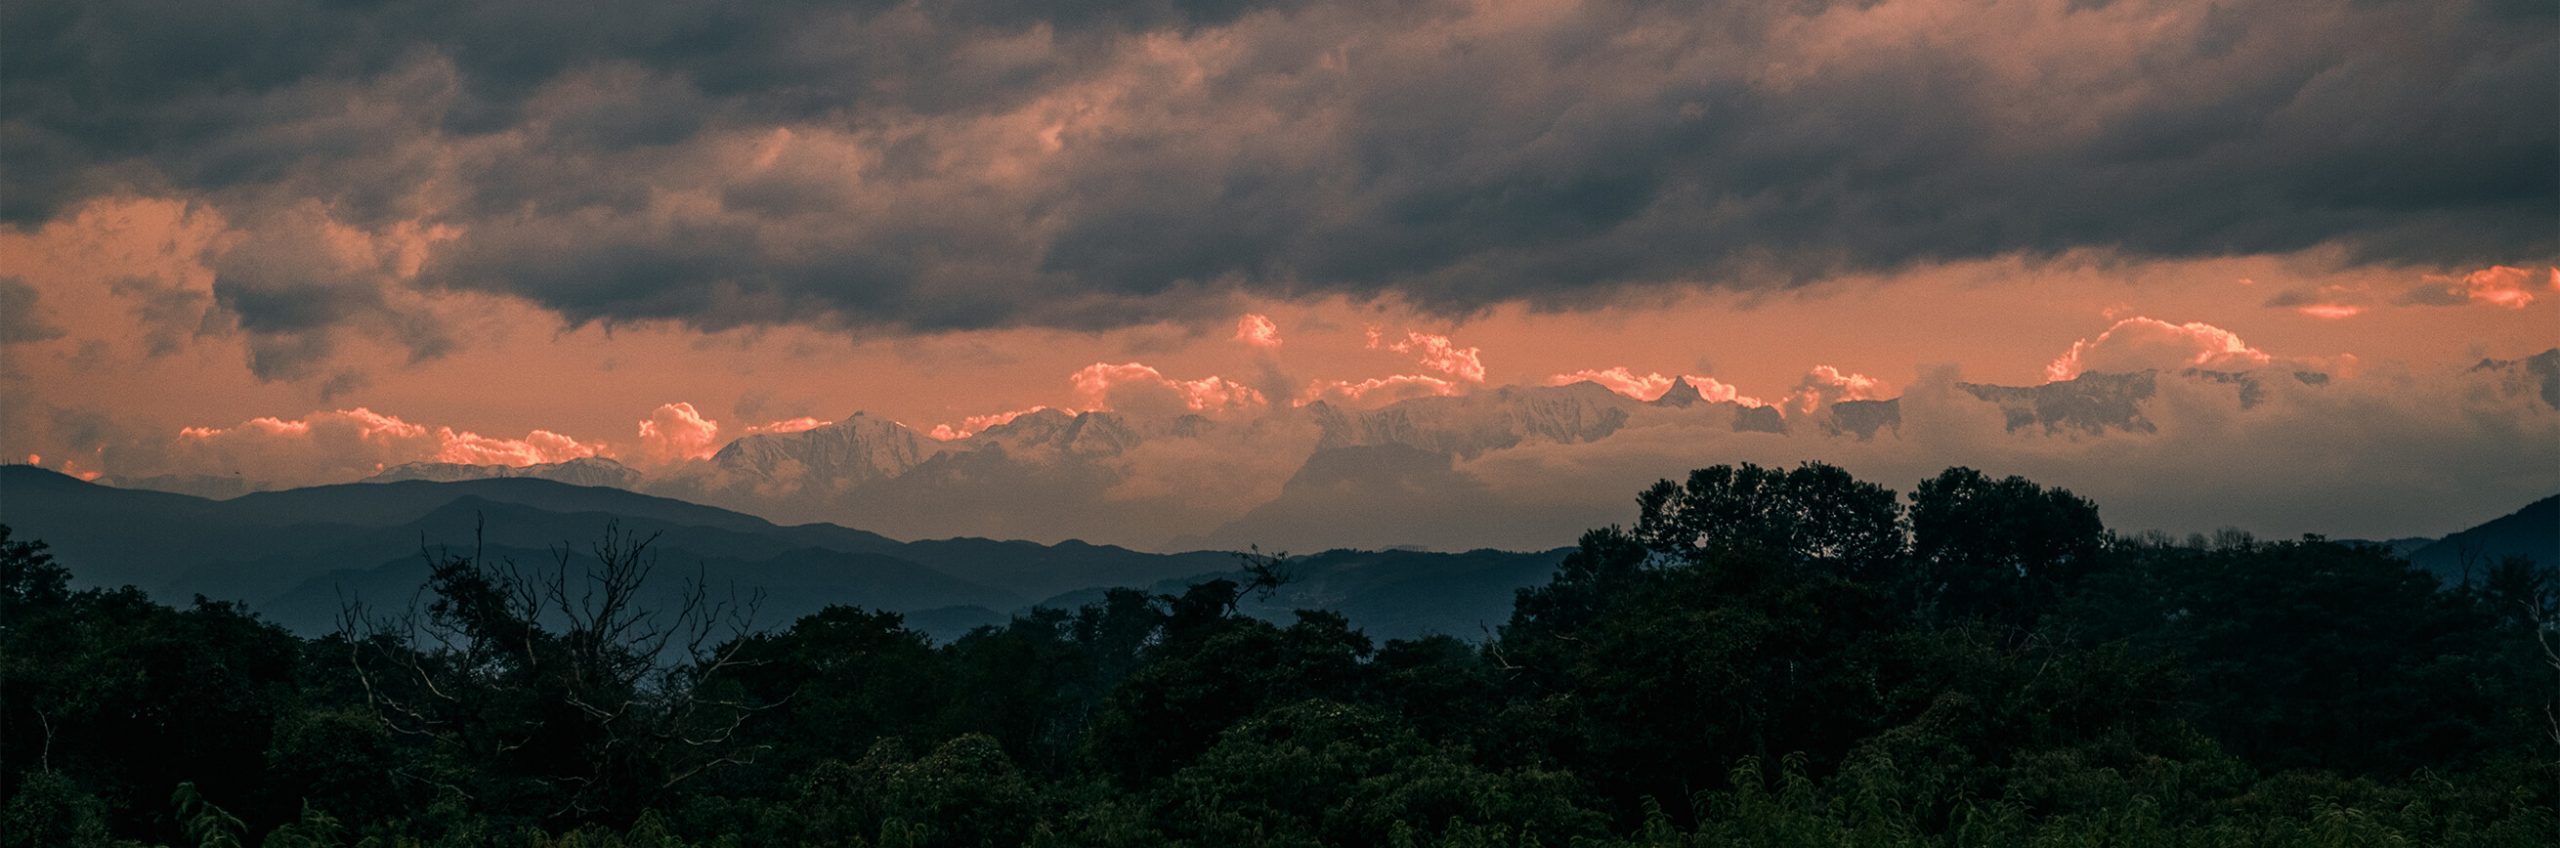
1318	474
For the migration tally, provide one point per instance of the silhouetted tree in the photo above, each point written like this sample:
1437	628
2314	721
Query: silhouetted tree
1765	658
2004	550
558	694
1815	516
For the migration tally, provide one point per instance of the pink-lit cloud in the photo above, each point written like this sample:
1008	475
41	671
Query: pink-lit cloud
675	432
361	424
1826	385
801	424
1437	353
1257	330
2334	302
2136	344
2497	285
976	424
1139	388
69	466
539	446
1131	387
2504	286
1619	379
345	444
1718	391
1376	390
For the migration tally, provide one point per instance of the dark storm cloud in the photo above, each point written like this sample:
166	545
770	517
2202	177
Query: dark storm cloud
167	315
917	167
2290	298
2433	294
20	318
293	287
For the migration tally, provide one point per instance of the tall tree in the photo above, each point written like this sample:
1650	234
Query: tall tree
2004	550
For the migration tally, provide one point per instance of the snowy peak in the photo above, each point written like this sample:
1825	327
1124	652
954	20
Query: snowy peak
1084	434
2095	403
1099	434
1681	395
1470	425
2091	403
862	447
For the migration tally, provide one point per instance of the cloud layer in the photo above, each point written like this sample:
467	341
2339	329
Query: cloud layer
924	167
348	444
1155	461
2138	344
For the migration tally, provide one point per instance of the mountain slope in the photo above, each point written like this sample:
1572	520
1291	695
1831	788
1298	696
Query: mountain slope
293	554
584	471
2532	532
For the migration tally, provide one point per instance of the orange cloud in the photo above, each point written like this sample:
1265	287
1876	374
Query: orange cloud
2327	302
2499	285
2137	344
539	446
1139	388
1718	391
1256	330
360	423
801	424
976	424
1376	390
72	467
339	445
1650	386
675	432
2496	285
1826	385
1619	379
1438	353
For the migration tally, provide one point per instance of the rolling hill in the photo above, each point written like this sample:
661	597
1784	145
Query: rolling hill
300	556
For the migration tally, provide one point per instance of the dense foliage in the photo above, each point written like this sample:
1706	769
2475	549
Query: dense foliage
1767	657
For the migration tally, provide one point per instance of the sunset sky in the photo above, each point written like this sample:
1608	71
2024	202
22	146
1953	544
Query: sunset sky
509	232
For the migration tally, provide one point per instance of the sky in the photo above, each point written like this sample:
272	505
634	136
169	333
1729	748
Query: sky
295	241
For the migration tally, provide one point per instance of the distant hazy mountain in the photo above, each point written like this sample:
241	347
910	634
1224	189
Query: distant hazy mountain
1190	481
1342	489
200	485
2541	369
2092	403
1035	475
859	449
584	471
1474	424
1863	418
299	556
2096	403
1054	474
2533	532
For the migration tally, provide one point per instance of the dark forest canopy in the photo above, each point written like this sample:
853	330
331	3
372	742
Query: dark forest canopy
1765	657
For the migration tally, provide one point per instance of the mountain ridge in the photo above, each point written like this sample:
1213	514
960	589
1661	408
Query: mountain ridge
295	555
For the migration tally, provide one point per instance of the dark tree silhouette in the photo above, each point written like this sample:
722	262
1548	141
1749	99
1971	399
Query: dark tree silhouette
575	696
